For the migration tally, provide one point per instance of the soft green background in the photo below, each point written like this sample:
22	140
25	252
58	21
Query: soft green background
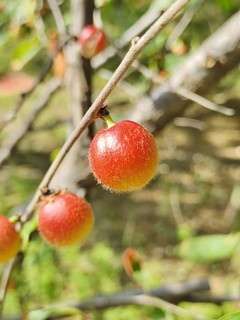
178	223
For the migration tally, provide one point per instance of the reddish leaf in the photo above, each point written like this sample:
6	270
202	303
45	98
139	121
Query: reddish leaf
15	83
131	261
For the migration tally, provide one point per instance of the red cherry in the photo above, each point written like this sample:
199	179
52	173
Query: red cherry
92	41
123	157
65	219
9	240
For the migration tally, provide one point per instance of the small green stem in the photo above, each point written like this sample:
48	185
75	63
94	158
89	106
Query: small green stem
14	219
104	114
109	121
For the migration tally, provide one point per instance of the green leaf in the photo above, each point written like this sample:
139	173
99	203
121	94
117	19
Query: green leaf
226	5
209	248
39	315
53	154
231	316
25	52
208	310
184	231
26	231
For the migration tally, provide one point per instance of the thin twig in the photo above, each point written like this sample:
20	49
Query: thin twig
166	306
218	300
125	300
57	16
39	24
174	292
182	25
91	114
163	297
9	145
203	101
4	282
190	123
151	301
135	30
124	85
183	92
175	206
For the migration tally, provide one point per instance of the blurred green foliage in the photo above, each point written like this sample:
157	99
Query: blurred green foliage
218	246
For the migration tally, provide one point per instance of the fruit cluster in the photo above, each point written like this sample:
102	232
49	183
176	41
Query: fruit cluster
123	157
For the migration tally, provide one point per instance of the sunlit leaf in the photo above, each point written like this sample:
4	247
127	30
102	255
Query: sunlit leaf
26	231
184	231
209	248
231	316
225	4
208	310
54	154
25	52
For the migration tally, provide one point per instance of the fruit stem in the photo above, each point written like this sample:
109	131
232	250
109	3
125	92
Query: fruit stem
104	114
13	219
109	121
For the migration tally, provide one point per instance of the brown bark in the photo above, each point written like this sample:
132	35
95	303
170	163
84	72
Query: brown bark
75	165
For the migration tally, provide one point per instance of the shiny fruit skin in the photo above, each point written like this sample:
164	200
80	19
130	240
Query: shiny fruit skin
65	219
10	241
123	157
92	41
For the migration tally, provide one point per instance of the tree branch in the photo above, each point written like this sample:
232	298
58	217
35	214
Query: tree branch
146	300
182	25
183	92
161	297
4	282
18	134
91	114
135	30
75	165
173	293
219	54
57	16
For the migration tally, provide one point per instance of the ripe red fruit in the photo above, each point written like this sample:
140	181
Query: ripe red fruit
9	240
92	41
65	219
124	156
